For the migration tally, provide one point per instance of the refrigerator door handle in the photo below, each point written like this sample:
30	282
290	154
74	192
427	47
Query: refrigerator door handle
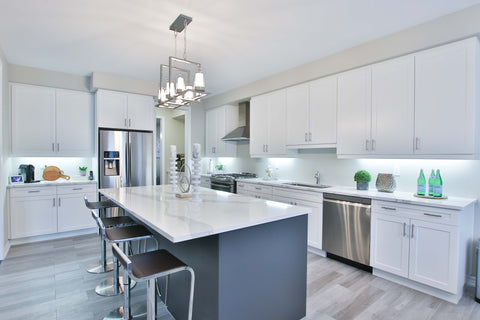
129	165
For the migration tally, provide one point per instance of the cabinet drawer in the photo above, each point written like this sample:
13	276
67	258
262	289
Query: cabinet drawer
30	192
257	188
280	192
420	212
77	188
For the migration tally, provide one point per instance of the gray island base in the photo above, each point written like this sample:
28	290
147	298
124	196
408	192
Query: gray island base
249	255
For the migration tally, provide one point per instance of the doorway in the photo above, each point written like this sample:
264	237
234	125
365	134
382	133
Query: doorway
159	142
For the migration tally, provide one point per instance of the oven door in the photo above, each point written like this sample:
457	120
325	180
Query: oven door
221	187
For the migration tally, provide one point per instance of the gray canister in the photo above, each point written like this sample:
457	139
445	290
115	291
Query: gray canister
477	282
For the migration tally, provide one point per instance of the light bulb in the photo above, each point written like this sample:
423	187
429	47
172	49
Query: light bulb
172	89
161	95
189	94
180	84
199	82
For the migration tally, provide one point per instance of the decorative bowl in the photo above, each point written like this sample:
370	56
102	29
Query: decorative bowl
386	182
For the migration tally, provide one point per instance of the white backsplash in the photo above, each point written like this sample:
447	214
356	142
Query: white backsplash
69	165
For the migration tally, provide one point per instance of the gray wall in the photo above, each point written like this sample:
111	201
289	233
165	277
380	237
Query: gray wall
47	78
446	29
102	80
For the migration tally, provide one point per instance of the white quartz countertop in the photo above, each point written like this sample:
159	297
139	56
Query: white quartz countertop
45	183
182	219
455	203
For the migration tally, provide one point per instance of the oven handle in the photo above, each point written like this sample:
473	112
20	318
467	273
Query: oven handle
218	185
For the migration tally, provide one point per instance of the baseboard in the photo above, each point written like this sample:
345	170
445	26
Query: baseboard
317	251
6	248
53	236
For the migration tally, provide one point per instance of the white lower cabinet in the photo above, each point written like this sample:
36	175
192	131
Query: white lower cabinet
255	190
313	200
205	181
422	244
38	211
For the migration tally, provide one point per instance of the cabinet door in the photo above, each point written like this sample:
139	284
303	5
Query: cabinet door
445	99
258	124
297	115
393	106
433	255
315	223
227	121
389	245
210	132
72	213
74	123
32	216
141	112
276	122
323	111
354	112
33	120
112	109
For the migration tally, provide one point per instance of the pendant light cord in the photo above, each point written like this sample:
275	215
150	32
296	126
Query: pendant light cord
185	41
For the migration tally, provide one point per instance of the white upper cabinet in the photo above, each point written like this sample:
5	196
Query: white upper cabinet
393	107
74	123
120	110
354	112
311	114
48	121
446	101
218	123
267	124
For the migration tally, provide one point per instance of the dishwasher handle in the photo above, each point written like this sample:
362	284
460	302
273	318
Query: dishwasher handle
341	197
348	203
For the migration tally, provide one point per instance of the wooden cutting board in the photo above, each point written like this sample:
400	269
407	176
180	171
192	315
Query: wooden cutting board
52	173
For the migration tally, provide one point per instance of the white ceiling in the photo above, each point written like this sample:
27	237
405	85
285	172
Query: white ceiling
237	41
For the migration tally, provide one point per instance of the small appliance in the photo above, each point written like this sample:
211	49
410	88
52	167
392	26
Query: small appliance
28	172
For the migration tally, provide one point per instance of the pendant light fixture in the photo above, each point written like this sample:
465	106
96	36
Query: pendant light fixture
181	81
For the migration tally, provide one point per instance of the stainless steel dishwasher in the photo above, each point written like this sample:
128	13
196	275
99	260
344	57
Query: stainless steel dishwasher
346	227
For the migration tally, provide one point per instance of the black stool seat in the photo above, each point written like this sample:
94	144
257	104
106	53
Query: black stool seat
152	263
127	233
119	221
100	205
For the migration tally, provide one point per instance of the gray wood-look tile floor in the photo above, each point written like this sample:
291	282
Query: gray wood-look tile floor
47	280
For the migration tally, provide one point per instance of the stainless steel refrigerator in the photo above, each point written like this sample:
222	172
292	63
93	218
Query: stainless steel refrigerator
125	158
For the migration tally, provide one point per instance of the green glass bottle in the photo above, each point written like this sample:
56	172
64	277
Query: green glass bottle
421	184
438	188
431	182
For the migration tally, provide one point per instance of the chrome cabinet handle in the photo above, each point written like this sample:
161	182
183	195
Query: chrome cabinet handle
366	145
125	122
417	143
309	136
306	137
412	230
129	122
266	147
258	188
77	188
59	201
33	191
53	147
404	229
54	202
374	144
389	208
58	147
432	215
263	148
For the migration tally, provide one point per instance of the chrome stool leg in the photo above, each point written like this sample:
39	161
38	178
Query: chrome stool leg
104	265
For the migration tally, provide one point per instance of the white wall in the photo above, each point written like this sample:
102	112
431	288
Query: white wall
4	160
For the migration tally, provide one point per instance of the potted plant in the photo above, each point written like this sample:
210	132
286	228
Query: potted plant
362	178
83	171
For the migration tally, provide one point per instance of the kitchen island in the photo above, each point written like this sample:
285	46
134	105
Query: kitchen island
249	255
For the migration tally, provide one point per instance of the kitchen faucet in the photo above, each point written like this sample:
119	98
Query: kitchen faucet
317	177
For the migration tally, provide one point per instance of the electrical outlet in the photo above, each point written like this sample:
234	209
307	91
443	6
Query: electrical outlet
396	170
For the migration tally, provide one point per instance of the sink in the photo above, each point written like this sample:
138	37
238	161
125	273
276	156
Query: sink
318	186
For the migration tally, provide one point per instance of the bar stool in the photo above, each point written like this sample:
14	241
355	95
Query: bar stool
149	266
105	266
124	235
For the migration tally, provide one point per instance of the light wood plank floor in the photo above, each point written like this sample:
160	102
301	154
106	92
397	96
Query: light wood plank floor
48	281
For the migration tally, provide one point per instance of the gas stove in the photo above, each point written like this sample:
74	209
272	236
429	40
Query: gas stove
227	181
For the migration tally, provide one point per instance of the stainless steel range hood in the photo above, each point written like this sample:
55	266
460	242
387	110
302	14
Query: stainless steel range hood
242	133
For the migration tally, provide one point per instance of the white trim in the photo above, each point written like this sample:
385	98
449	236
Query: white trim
53	236
162	147
6	248
317	251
